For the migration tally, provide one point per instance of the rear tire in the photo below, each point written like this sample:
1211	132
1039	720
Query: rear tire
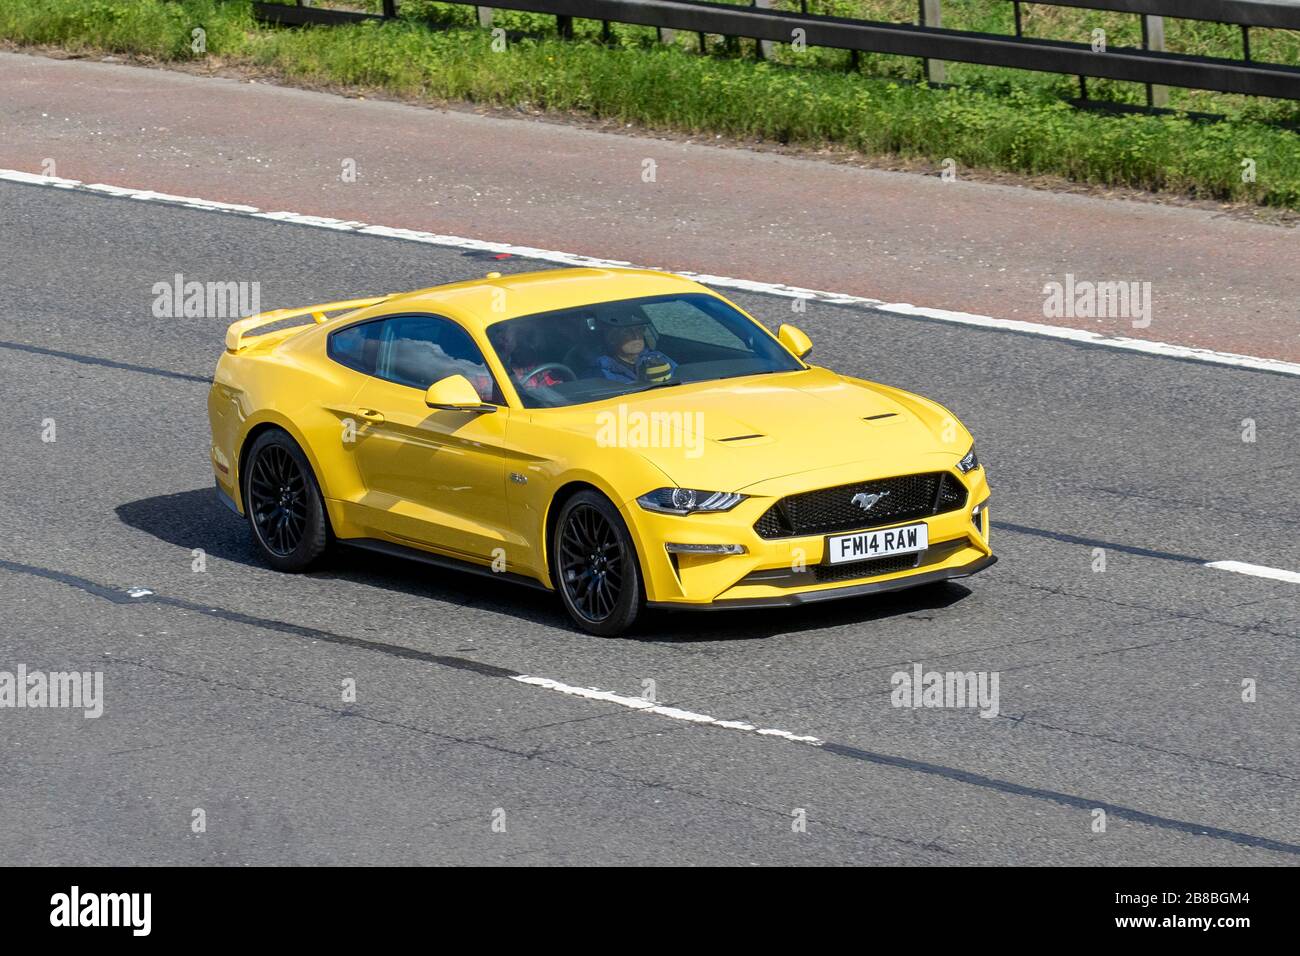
283	504
595	565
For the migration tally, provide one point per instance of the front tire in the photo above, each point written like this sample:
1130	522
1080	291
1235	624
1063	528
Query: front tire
596	568
283	503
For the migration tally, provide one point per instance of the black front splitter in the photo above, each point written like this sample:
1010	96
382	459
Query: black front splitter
833	594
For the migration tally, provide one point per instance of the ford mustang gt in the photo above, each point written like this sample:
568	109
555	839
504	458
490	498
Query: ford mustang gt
622	437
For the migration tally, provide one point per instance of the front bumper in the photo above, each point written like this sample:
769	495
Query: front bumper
836	593
226	498
792	571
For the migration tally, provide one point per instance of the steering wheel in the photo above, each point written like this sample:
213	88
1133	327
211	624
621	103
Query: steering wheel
560	367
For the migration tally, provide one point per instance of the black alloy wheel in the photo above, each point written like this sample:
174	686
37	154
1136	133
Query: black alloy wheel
284	503
596	565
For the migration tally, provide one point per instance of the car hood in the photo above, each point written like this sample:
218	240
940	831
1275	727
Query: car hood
732	434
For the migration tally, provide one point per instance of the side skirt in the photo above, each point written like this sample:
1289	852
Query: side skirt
439	561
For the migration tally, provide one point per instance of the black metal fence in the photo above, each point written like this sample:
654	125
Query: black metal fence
1149	66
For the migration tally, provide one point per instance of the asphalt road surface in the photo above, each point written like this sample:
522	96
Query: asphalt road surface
1120	690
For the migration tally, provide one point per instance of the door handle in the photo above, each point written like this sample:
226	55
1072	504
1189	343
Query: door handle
371	416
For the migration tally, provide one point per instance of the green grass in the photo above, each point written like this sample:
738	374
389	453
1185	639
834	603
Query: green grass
1002	120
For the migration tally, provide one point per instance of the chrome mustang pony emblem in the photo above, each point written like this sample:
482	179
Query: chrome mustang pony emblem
867	501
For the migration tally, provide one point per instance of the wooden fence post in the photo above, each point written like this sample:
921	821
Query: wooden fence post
764	46
932	16
1153	38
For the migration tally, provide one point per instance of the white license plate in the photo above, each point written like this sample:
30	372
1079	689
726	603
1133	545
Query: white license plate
866	545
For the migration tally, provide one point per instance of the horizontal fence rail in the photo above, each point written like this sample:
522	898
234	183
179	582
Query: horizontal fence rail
1138	65
1282	14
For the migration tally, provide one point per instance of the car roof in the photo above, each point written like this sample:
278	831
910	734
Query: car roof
480	303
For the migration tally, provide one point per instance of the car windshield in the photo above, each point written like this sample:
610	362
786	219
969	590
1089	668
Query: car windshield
585	354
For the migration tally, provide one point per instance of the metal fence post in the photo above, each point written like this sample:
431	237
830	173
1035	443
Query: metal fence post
390	9
484	16
932	16
1153	38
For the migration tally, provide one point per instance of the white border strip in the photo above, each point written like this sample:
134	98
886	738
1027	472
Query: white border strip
1256	570
1123	343
645	706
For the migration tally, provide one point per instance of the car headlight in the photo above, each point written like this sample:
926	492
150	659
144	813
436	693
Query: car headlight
969	462
685	501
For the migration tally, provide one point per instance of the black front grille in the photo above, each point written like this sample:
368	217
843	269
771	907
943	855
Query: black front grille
865	569
831	510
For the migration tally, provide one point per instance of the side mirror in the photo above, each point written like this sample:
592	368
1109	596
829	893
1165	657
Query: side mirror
455	394
794	340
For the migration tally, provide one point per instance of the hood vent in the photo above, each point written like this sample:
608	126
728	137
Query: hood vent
876	418
741	437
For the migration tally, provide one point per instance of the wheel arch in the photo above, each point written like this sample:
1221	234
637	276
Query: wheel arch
252	433
562	495
566	493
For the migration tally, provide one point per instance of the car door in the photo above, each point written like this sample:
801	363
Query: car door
434	478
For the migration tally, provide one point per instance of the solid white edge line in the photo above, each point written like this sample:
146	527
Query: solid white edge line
1083	336
645	706
1256	570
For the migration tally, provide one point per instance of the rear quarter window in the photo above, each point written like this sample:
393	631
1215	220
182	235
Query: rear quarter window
357	346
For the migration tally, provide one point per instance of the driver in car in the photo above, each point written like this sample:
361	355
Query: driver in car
631	359
521	362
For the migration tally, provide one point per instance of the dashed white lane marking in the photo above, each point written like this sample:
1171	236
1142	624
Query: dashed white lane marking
1123	343
647	707
1256	570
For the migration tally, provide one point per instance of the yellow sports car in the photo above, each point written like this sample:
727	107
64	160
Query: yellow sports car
626	438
